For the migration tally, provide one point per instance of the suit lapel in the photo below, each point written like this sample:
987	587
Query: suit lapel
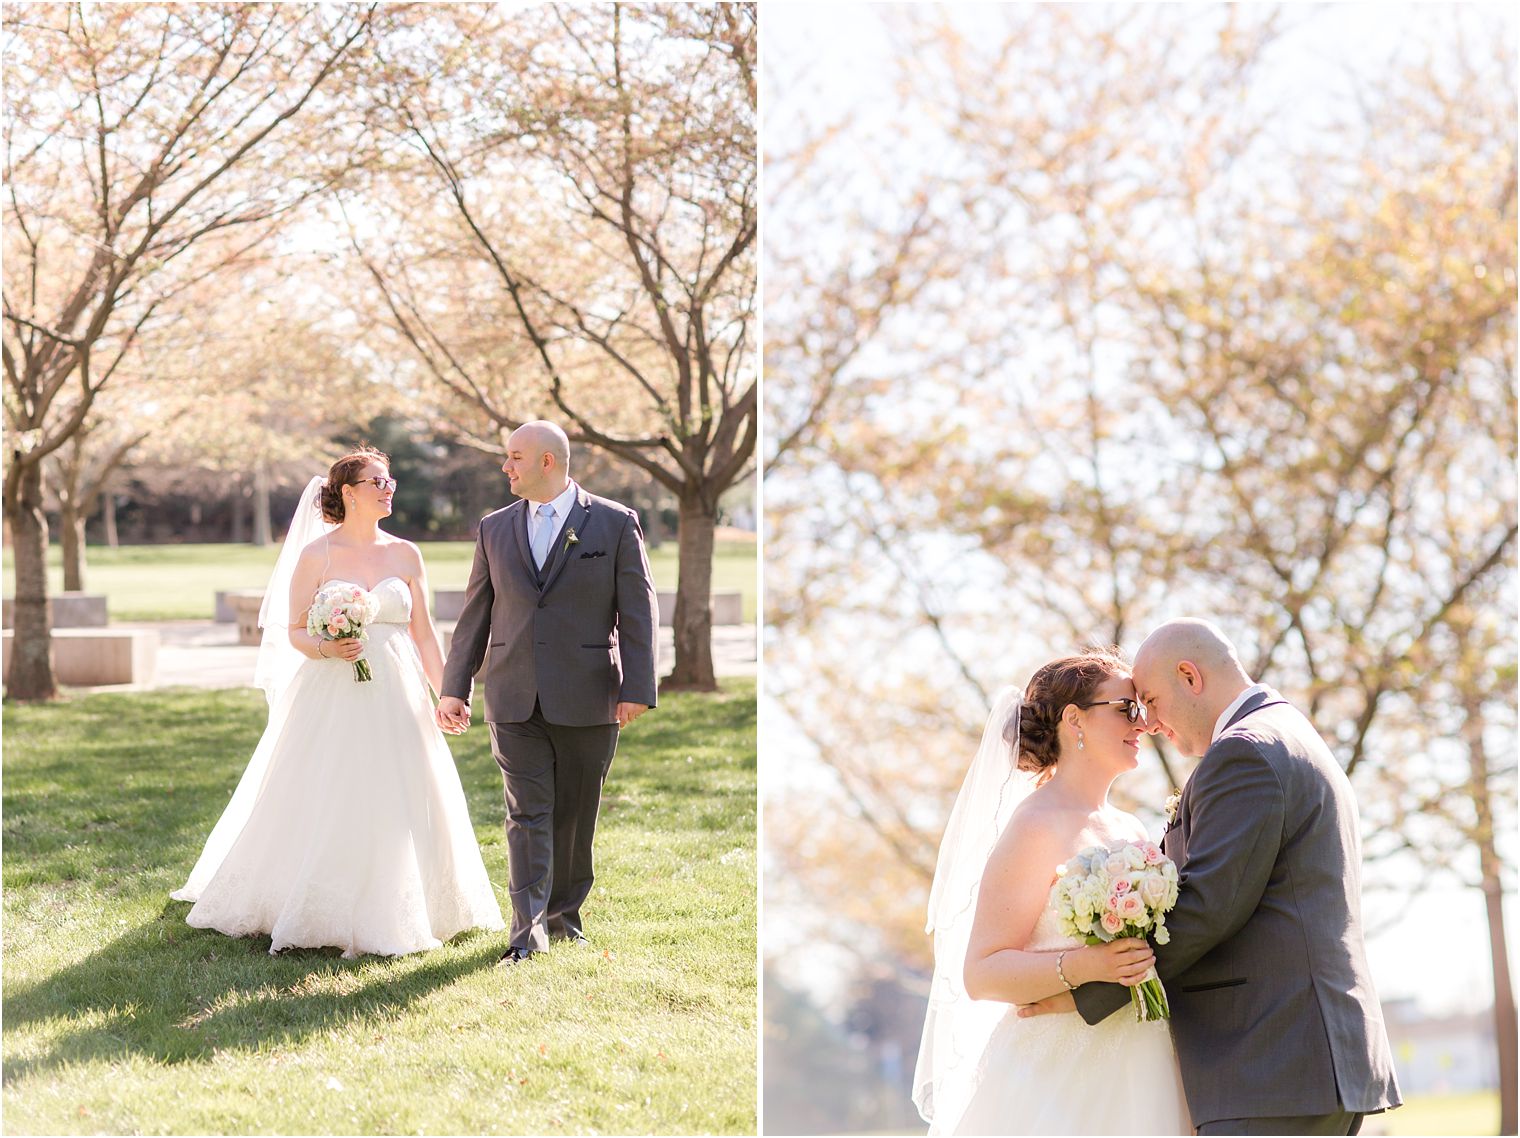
1174	837
560	554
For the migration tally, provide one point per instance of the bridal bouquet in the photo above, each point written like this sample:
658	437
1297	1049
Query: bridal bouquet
342	612
1104	894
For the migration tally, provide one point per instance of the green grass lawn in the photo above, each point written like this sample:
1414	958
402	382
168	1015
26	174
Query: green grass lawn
120	1018
1475	1112
179	582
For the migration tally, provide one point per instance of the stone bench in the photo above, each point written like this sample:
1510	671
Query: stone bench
245	605
86	657
727	606
446	635
225	614
70	610
447	604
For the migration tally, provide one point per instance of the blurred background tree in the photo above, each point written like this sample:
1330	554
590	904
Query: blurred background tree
1123	337
241	237
580	242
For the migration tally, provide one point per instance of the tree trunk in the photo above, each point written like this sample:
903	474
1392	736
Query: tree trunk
71	535
1505	1028
31	672
238	494
1504	1003
108	515
692	623
261	526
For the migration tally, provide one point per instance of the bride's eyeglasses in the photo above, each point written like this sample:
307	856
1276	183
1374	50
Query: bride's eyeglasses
1132	710
381	484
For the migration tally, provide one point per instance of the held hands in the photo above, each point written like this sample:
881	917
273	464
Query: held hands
1060	1003
452	715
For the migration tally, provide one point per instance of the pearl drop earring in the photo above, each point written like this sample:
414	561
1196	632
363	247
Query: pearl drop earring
1081	745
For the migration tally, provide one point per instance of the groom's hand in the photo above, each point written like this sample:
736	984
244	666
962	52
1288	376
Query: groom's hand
628	712
452	714
1061	1003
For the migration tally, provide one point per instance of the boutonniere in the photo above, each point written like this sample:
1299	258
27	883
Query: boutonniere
1172	801
570	538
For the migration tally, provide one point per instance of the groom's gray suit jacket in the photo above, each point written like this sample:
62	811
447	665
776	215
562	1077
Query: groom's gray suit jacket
577	637
1273	1009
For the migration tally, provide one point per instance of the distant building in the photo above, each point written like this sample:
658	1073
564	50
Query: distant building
1441	1054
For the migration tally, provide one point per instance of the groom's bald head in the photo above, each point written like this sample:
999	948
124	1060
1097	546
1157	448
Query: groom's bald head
538	460
1187	672
542	437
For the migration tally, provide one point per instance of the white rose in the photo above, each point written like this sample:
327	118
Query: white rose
1134	856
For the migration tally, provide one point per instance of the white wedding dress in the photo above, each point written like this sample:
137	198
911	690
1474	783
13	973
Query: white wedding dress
349	828
1054	1074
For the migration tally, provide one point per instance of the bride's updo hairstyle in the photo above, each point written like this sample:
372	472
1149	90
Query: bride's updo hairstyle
345	472
1071	679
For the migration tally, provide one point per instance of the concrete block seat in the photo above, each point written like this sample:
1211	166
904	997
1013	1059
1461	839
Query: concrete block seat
727	606
97	657
447	604
225	613
244	605
70	610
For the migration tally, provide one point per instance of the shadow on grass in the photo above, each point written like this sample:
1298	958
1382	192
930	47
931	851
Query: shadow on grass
175	994
107	802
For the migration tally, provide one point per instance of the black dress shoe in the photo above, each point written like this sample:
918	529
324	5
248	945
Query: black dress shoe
513	955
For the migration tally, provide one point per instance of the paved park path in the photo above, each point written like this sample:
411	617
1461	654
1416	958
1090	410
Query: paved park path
199	653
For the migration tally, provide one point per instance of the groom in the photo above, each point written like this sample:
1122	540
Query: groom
1276	1024
561	592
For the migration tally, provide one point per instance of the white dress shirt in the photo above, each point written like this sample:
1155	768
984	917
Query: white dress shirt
1224	717
561	504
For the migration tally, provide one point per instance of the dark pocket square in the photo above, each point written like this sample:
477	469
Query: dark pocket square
598	553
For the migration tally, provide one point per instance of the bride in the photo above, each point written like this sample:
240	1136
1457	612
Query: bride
1036	794
349	827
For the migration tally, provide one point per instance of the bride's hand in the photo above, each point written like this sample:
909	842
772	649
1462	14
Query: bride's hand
1058	1003
1126	961
348	649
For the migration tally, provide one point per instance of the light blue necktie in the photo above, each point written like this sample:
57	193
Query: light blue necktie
542	536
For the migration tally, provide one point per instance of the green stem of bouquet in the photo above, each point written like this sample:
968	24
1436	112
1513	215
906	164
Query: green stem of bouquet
1149	1000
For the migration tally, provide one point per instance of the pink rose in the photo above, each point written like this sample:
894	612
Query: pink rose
1121	887
1131	906
1111	923
1153	854
1113	902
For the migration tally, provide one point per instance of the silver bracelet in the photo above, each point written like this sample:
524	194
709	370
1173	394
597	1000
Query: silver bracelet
321	653
1060	956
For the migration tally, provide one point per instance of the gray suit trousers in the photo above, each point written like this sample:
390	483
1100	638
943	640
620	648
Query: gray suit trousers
552	779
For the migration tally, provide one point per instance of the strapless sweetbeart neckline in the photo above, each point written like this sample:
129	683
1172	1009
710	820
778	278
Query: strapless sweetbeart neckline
361	584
